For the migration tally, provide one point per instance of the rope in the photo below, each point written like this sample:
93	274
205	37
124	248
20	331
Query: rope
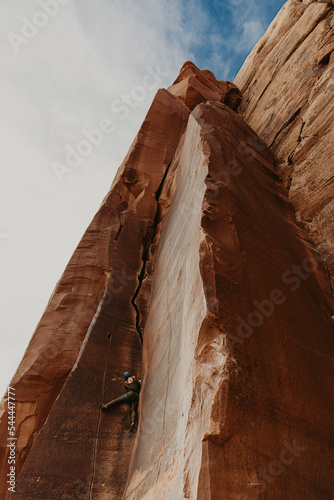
100	421
90	457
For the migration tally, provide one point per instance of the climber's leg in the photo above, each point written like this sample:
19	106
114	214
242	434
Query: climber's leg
114	402
134	405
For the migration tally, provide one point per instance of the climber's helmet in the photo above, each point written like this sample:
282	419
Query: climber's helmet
127	374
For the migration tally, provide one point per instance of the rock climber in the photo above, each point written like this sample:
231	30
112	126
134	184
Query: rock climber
132	385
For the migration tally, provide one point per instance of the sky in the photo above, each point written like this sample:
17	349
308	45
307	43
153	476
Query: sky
69	66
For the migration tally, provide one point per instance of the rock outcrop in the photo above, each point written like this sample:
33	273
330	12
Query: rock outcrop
288	99
196	275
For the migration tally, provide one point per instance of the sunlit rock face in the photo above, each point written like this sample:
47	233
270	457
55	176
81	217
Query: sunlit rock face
196	276
287	86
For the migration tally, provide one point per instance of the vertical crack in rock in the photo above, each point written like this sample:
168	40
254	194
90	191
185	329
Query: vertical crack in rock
298	142
119	231
300	138
290	161
285	125
158	192
145	254
133	300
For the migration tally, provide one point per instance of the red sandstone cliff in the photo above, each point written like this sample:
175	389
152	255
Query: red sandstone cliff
195	274
287	86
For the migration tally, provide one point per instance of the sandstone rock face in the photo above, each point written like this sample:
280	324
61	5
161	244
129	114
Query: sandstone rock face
287	87
194	275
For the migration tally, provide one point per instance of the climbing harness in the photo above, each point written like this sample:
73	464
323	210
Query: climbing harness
132	396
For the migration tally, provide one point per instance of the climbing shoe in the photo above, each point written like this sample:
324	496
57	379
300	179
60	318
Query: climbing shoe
103	406
132	427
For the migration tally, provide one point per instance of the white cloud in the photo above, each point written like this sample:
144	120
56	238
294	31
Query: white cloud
252	30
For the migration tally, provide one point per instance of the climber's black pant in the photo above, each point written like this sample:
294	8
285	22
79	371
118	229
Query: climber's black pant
130	397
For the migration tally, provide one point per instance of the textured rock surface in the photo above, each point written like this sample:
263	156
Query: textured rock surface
202	281
288	99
